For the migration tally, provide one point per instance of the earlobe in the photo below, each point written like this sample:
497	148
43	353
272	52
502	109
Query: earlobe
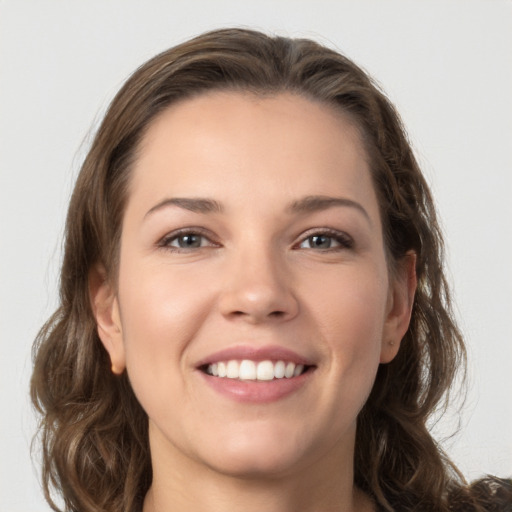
401	300
105	308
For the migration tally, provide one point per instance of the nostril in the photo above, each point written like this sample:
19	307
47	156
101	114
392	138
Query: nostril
273	314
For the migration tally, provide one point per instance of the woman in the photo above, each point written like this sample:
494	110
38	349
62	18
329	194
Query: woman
253	309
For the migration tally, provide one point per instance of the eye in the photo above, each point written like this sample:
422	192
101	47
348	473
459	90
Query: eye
185	240
326	240
190	241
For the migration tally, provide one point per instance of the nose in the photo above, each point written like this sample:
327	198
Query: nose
258	289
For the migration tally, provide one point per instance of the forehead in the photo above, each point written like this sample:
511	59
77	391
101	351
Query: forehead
230	143
218	112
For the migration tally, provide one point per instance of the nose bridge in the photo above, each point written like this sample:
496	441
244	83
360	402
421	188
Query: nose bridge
259	285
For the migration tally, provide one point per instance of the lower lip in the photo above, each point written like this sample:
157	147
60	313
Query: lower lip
252	391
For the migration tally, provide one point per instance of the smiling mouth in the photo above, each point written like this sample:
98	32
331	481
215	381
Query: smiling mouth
248	370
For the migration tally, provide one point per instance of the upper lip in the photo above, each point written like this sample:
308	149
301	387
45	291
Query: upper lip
266	353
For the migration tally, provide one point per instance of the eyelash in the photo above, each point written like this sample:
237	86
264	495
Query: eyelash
341	238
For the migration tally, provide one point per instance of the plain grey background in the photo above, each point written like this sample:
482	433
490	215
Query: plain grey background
447	66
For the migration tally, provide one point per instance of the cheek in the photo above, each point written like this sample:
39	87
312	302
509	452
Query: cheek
352	312
353	301
160	316
160	300
161	313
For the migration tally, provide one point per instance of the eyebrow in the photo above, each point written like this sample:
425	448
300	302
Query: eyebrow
311	204
193	204
308	204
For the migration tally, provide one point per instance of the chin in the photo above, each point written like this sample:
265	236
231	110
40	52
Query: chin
255	466
259	454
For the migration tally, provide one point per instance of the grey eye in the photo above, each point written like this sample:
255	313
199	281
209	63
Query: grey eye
318	242
186	240
327	240
189	241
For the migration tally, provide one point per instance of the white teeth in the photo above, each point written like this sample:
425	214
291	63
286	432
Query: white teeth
251	370
232	370
247	370
265	370
288	372
221	369
298	370
279	370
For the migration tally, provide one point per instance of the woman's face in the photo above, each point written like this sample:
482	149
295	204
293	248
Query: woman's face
254	302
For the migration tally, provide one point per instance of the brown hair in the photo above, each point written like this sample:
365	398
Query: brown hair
93	430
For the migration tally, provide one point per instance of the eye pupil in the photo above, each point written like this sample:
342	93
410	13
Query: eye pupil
320	241
188	241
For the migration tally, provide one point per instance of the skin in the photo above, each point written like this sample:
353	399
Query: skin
256	279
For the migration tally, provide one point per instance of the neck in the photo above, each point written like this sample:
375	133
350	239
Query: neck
325	485
271	496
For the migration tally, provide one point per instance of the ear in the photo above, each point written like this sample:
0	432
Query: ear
106	312
399	308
